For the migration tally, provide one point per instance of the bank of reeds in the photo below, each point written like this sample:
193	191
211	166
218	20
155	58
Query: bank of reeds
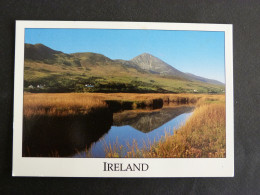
202	136
59	104
63	104
148	97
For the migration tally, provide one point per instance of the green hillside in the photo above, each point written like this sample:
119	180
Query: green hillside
47	70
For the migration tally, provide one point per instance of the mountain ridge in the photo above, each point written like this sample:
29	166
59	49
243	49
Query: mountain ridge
88	64
142	61
39	51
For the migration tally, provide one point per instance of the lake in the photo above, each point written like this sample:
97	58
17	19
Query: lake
75	136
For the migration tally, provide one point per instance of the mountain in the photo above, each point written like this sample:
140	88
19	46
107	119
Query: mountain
149	62
61	72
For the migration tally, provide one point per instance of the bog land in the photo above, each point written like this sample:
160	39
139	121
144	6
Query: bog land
203	135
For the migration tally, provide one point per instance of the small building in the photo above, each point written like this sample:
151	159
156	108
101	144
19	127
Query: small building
89	85
40	86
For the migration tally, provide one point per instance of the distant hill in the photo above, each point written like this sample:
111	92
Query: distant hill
205	80
56	71
149	62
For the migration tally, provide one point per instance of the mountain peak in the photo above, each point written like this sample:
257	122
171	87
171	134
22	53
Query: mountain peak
144	55
149	62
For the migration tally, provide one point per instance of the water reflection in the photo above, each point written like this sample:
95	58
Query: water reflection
142	126
72	136
147	121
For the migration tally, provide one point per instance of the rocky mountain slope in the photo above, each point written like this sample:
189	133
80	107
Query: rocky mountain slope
149	62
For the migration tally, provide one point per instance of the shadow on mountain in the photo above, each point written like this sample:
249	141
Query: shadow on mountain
64	136
147	121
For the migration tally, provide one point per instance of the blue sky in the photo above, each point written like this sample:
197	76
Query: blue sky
197	52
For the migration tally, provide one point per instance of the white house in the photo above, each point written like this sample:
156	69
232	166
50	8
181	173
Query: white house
89	85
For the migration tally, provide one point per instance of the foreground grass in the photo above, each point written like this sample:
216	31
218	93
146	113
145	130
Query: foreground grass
202	136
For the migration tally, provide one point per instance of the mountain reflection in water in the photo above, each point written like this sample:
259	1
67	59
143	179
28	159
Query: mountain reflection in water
72	136
141	126
147	121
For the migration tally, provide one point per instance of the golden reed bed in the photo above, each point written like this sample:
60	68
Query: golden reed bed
62	104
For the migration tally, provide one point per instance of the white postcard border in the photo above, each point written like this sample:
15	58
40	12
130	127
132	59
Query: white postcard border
93	167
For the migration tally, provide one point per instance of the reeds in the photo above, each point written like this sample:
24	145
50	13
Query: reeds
60	104
202	136
115	150
63	104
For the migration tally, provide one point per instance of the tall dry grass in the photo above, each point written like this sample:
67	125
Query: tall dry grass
65	104
149	96
202	136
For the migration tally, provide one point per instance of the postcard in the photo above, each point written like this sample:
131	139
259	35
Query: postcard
123	99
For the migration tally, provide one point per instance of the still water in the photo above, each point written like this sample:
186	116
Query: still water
72	137
126	134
